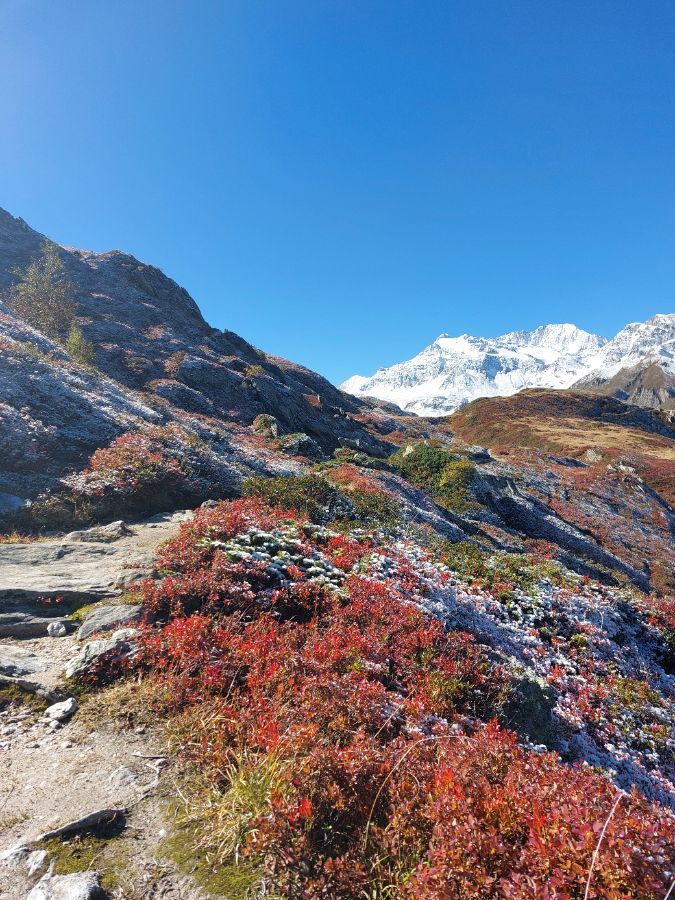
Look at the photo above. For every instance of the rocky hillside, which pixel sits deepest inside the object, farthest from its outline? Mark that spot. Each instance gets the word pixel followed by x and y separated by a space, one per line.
pixel 645 384
pixel 187 412
pixel 454 371
pixel 156 362
pixel 368 654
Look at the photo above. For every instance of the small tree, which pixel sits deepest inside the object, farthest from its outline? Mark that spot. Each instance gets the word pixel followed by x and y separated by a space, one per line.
pixel 43 294
pixel 79 347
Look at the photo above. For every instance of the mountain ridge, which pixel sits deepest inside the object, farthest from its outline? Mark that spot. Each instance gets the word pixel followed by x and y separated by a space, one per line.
pixel 453 371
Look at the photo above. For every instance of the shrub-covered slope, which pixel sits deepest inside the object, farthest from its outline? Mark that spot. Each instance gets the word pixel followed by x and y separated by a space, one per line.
pixel 402 664
pixel 341 698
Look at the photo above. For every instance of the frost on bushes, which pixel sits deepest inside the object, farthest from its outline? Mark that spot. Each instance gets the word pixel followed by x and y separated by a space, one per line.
pixel 23 442
pixel 141 472
pixel 346 739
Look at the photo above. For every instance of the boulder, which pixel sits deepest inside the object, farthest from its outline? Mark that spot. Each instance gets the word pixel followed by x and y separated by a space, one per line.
pixel 266 425
pixel 17 661
pixel 61 712
pixel 115 648
pixel 36 861
pixel 105 618
pixel 100 817
pixel 478 454
pixel 56 629
pixel 77 886
pixel 25 622
pixel 100 534
pixel 300 445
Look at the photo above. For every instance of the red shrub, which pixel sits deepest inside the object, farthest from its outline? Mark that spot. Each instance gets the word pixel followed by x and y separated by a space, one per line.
pixel 392 785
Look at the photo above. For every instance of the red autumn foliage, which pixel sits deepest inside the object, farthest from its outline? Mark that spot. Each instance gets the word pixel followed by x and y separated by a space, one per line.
pixel 393 786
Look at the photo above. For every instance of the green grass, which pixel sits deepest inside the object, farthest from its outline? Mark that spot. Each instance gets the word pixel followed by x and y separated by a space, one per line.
pixel 213 827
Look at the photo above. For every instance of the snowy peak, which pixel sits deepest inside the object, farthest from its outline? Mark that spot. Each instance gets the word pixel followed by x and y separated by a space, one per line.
pixel 565 338
pixel 638 343
pixel 452 371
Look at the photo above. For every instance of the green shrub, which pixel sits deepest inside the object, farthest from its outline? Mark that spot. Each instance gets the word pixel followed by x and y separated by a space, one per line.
pixel 43 294
pixel 345 455
pixel 266 425
pixel 376 507
pixel 464 558
pixel 79 347
pixel 308 494
pixel 371 504
pixel 445 476
pixel 454 483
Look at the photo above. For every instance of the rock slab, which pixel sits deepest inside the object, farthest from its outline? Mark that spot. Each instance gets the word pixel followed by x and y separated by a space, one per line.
pixel 17 661
pixel 105 618
pixel 78 886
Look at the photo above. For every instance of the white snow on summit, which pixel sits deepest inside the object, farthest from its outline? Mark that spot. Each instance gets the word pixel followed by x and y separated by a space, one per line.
pixel 652 341
pixel 455 370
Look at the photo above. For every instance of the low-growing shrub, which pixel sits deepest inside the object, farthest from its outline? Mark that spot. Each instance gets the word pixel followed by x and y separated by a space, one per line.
pixel 77 346
pixel 139 473
pixel 311 495
pixel 465 558
pixel 344 738
pixel 372 504
pixel 502 573
pixel 266 425
pixel 446 476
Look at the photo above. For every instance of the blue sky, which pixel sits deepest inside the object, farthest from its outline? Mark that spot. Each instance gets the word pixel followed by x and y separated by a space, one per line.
pixel 341 181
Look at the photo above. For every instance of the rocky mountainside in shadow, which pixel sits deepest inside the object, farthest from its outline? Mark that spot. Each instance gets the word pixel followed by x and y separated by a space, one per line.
pixel 645 384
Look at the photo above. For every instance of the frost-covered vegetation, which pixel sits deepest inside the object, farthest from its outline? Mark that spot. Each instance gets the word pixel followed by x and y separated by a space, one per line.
pixel 343 700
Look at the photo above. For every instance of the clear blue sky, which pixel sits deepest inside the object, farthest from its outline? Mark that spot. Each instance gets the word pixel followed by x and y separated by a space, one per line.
pixel 341 181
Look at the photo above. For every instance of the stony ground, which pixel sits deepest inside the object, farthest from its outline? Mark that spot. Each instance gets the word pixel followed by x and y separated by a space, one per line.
pixel 54 773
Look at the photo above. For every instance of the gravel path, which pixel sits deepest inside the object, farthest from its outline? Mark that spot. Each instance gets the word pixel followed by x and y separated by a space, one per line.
pixel 52 773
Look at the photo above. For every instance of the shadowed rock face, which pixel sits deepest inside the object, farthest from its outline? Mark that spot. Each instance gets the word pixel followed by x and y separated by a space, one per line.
pixel 646 385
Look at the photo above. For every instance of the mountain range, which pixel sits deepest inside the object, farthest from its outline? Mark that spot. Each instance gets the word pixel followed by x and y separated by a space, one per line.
pixel 637 365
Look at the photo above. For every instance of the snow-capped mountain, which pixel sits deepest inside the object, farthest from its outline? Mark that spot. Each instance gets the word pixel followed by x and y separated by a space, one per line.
pixel 455 370
pixel 639 343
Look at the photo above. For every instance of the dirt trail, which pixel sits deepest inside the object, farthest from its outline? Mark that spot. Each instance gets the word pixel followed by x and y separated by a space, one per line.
pixel 52 773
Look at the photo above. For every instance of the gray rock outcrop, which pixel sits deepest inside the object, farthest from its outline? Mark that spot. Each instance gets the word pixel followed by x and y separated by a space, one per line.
pixel 105 618
pixel 115 648
pixel 77 886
